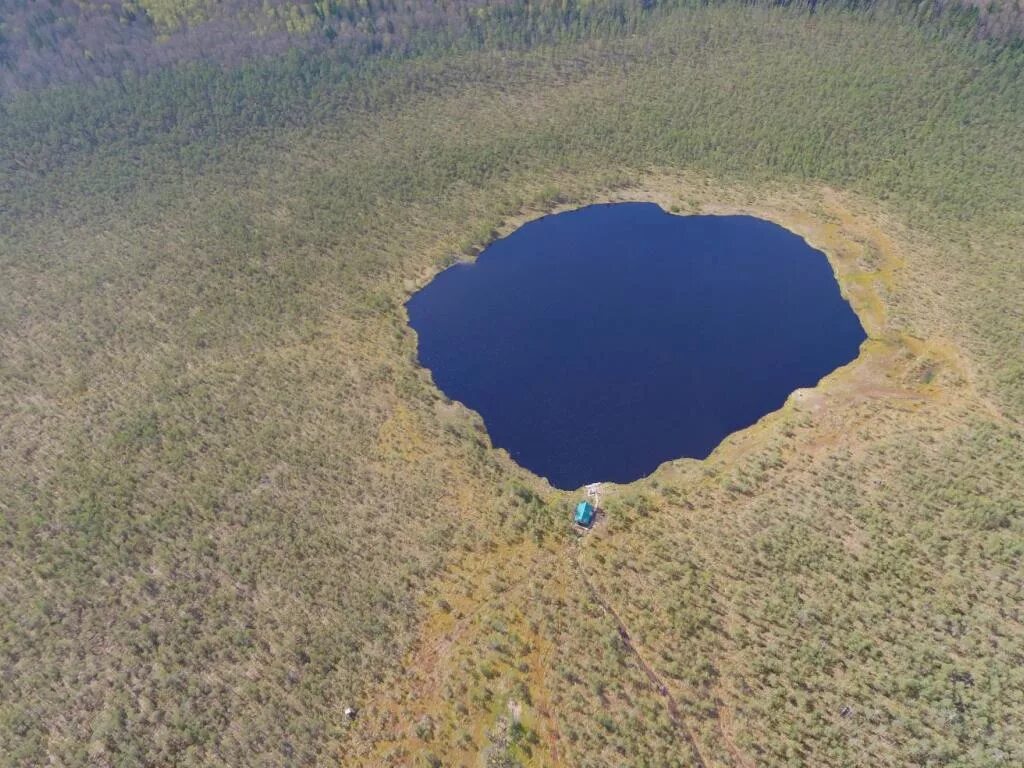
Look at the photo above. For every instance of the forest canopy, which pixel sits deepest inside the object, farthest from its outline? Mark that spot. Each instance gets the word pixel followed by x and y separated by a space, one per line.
pixel 50 42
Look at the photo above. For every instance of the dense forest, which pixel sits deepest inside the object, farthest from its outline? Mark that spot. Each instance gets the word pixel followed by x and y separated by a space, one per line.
pixel 233 506
pixel 50 42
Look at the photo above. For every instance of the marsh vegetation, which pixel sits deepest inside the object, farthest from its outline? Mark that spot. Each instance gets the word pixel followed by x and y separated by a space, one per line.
pixel 232 505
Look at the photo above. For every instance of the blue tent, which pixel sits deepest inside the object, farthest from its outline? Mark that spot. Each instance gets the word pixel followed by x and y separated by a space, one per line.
pixel 584 514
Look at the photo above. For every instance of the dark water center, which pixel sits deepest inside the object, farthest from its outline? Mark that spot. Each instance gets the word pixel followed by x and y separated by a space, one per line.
pixel 597 344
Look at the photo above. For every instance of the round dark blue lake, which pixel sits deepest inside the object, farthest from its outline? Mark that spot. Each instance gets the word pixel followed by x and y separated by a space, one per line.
pixel 597 344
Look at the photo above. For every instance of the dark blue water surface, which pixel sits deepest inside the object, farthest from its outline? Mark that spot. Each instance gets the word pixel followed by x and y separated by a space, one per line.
pixel 601 342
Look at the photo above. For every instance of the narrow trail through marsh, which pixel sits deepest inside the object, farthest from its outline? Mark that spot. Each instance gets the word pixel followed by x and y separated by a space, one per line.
pixel 659 685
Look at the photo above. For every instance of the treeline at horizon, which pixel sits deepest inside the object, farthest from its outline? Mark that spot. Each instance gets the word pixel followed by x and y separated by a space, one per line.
pixel 298 85
pixel 62 42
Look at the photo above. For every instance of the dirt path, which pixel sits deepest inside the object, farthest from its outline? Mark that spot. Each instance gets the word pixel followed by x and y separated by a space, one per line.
pixel 728 738
pixel 447 636
pixel 656 681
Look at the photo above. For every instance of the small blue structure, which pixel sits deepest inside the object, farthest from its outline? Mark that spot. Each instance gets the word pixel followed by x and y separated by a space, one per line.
pixel 584 514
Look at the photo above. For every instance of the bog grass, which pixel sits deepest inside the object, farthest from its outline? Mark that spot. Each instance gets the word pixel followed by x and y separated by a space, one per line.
pixel 233 504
